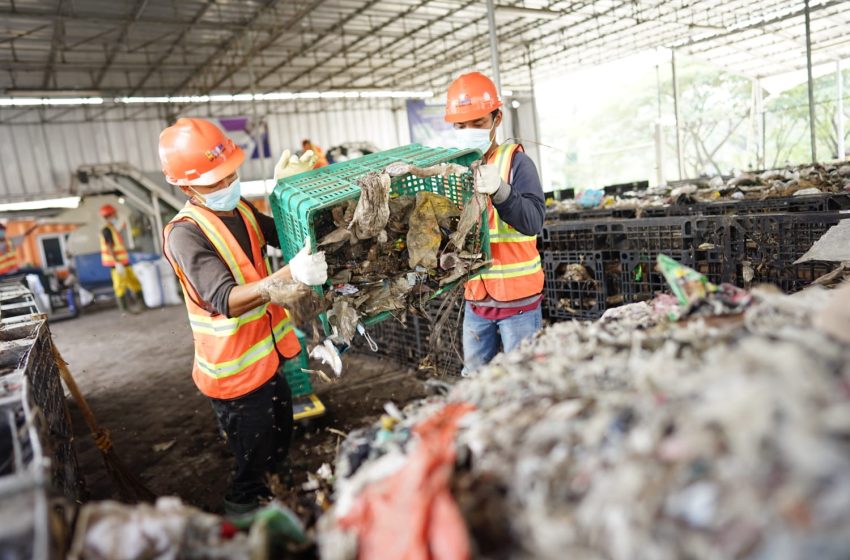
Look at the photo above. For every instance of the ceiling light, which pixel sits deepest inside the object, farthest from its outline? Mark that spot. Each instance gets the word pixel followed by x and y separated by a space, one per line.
pixel 66 202
pixel 535 13
pixel 43 101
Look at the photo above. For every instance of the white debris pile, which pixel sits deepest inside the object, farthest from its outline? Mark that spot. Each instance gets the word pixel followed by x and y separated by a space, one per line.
pixel 714 438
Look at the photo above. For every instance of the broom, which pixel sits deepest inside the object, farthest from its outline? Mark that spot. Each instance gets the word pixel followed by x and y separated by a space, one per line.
pixel 129 485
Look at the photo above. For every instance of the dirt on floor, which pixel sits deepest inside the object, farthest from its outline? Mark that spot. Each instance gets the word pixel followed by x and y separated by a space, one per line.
pixel 135 371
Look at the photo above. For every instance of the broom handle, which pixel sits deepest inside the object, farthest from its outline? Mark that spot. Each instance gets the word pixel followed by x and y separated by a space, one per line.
pixel 65 373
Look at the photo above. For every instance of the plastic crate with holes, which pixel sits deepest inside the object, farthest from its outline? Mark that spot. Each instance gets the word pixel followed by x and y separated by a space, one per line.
pixel 640 281
pixel 575 285
pixel 302 204
pixel 767 245
pixel 305 403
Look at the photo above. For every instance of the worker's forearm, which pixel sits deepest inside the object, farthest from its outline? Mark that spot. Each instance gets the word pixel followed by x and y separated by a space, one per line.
pixel 246 297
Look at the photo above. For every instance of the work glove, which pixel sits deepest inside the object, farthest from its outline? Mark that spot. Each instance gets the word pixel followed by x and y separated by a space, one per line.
pixel 289 165
pixel 120 268
pixel 309 269
pixel 488 180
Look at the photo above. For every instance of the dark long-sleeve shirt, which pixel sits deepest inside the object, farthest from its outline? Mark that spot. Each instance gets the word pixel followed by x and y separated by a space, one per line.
pixel 201 263
pixel 525 207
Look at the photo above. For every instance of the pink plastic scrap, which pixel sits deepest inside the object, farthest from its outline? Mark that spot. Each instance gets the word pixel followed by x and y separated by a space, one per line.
pixel 412 515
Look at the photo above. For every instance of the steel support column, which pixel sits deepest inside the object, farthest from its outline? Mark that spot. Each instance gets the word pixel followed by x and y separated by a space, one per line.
pixel 811 82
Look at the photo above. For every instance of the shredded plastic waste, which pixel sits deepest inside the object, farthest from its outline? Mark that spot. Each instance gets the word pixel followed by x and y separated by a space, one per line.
pixel 641 437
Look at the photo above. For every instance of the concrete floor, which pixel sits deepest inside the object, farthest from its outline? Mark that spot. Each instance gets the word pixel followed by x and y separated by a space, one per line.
pixel 135 371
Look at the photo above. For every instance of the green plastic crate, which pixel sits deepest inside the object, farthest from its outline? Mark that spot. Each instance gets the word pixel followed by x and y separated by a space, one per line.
pixel 298 201
pixel 298 379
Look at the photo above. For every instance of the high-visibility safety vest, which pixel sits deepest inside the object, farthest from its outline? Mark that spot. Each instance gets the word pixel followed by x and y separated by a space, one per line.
pixel 8 259
pixel 235 355
pixel 516 271
pixel 118 249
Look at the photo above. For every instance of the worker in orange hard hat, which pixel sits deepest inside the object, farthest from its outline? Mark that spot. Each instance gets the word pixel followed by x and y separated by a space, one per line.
pixel 503 301
pixel 114 256
pixel 8 254
pixel 321 159
pixel 216 245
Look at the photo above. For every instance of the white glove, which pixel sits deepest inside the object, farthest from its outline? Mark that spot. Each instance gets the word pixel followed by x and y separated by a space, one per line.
pixel 120 268
pixel 288 165
pixel 487 179
pixel 309 269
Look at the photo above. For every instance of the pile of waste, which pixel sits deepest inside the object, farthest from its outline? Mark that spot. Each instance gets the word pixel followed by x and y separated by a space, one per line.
pixel 775 183
pixel 392 253
pixel 717 431
pixel 170 529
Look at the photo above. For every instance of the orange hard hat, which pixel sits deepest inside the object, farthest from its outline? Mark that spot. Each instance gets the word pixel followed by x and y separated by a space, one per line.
pixel 471 97
pixel 197 152
pixel 107 210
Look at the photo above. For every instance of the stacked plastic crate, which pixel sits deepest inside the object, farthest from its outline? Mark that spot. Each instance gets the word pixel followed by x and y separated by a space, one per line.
pixel 37 457
pixel 598 260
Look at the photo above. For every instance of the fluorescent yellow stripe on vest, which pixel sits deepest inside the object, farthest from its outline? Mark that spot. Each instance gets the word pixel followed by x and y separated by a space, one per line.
pixel 224 326
pixel 282 329
pixel 215 239
pixel 232 367
pixel 503 237
pixel 249 217
pixel 510 270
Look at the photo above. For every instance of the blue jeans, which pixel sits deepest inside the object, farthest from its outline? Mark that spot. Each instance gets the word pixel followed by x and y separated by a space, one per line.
pixel 482 337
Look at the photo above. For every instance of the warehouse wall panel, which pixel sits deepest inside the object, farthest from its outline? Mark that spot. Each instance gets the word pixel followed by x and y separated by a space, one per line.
pixel 41 150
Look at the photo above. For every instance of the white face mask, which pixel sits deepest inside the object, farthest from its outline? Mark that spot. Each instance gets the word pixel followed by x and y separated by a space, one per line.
pixel 472 139
pixel 223 200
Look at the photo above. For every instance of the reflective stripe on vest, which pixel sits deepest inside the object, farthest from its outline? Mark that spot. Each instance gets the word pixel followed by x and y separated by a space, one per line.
pixel 8 259
pixel 516 271
pixel 233 355
pixel 118 249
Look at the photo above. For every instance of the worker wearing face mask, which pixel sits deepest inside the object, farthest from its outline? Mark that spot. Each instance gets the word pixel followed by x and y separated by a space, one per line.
pixel 216 245
pixel 503 301
pixel 114 256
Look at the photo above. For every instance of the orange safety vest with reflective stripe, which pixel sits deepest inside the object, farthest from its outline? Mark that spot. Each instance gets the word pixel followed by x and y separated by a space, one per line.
pixel 516 271
pixel 233 355
pixel 8 259
pixel 118 249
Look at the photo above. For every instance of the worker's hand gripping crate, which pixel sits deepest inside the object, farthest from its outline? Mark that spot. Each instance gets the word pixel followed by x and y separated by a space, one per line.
pixel 302 204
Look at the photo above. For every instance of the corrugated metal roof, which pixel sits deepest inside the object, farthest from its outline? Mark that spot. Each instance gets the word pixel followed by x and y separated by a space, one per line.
pixel 159 47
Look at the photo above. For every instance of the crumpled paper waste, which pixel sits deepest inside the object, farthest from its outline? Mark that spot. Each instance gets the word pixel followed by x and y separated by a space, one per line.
pixel 697 439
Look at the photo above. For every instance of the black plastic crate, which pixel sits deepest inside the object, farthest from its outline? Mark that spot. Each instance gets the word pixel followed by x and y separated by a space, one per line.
pixel 713 248
pixel 789 204
pixel 403 342
pixel 448 351
pixel 766 246
pixel 576 235
pixel 664 235
pixel 639 279
pixel 575 285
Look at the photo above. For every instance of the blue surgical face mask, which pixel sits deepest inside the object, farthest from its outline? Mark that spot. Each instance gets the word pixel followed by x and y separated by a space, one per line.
pixel 223 200
pixel 472 139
